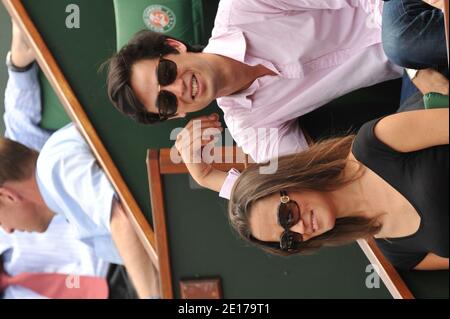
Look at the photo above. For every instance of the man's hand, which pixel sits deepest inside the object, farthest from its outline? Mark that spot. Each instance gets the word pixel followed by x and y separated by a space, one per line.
pixel 435 3
pixel 21 53
pixel 190 143
pixel 430 80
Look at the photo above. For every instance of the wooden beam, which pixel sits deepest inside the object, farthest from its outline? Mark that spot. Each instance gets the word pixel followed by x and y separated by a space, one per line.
pixel 76 112
pixel 230 157
pixel 159 223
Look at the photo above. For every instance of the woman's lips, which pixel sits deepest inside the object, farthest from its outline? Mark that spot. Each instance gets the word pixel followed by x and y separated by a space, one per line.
pixel 314 223
pixel 310 221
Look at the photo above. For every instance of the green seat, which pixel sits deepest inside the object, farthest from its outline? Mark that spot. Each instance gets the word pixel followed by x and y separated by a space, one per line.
pixel 182 19
pixel 53 114
pixel 435 101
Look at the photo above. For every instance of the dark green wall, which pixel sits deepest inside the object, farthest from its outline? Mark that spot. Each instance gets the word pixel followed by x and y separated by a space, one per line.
pixel 5 43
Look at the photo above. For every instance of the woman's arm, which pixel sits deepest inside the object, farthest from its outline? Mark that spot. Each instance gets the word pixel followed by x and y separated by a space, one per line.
pixel 414 130
pixel 432 262
pixel 190 143
pixel 140 268
pixel 439 4
pixel 429 80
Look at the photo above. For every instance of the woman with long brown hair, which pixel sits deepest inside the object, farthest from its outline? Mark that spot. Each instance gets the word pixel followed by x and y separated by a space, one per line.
pixel 389 181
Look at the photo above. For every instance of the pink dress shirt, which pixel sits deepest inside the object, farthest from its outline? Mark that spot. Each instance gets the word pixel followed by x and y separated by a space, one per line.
pixel 319 49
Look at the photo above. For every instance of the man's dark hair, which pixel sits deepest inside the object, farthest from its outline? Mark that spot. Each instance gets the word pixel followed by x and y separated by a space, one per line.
pixel 17 162
pixel 144 45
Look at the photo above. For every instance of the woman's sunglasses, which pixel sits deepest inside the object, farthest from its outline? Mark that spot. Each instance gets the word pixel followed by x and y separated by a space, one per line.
pixel 288 216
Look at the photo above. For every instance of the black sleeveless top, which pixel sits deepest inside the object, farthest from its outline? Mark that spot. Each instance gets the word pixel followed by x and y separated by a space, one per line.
pixel 422 178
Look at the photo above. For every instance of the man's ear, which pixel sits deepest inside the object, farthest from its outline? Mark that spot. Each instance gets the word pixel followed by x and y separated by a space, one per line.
pixel 180 47
pixel 9 195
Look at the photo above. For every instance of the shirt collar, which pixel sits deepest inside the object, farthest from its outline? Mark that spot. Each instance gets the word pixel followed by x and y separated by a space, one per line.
pixel 233 45
pixel 51 204
pixel 230 44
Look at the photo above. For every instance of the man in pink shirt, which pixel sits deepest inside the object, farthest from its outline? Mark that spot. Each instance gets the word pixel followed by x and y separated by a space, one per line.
pixel 267 63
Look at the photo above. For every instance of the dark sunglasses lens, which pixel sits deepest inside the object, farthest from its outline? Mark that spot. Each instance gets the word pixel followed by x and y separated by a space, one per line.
pixel 289 240
pixel 288 214
pixel 166 103
pixel 167 72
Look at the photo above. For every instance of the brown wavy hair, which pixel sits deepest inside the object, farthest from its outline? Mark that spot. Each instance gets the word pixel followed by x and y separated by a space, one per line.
pixel 319 168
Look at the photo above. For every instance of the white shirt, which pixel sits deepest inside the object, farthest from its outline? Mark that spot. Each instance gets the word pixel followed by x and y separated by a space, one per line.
pixel 72 184
pixel 57 250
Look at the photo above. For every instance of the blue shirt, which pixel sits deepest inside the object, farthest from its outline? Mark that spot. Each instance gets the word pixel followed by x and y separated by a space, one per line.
pixel 72 184
pixel 23 109
pixel 58 250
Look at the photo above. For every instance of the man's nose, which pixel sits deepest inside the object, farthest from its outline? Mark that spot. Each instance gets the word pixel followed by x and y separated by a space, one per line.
pixel 177 87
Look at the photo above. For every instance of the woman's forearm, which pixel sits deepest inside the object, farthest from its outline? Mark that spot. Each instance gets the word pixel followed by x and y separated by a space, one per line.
pixel 439 4
pixel 207 176
pixel 141 270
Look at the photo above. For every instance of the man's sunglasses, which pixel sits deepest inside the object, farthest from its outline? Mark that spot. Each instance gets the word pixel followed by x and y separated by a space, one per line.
pixel 166 102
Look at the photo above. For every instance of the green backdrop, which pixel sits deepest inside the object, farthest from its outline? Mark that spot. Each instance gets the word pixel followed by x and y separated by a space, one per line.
pixel 5 43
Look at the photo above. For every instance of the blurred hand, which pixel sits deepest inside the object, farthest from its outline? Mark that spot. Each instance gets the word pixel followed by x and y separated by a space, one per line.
pixel 190 142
